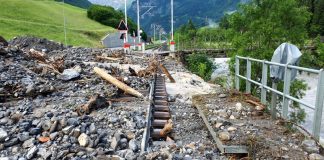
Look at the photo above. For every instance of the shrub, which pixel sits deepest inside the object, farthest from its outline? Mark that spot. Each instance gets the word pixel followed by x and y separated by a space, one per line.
pixel 200 64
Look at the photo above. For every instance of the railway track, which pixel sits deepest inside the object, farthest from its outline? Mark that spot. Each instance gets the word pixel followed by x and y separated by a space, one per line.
pixel 158 113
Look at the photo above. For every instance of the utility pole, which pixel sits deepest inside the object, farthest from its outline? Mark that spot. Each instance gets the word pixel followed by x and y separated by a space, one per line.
pixel 126 45
pixel 64 24
pixel 172 43
pixel 153 32
pixel 140 45
pixel 126 20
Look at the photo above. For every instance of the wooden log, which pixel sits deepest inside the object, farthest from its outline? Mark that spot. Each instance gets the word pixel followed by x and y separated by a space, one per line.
pixel 109 58
pixel 167 128
pixel 116 82
pixel 166 72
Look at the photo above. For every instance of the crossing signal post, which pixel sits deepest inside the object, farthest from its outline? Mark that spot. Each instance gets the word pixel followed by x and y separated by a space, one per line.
pixel 172 42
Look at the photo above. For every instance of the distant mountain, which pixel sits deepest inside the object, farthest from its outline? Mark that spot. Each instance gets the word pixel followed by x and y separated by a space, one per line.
pixel 118 4
pixel 202 13
pixel 79 3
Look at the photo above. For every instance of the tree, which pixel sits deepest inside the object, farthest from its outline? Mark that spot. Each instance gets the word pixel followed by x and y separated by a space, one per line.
pixel 259 27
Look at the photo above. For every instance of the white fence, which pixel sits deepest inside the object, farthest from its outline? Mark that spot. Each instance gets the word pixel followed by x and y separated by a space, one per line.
pixel 318 108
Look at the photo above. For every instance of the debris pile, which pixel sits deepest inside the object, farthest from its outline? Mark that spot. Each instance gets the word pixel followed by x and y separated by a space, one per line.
pixel 54 106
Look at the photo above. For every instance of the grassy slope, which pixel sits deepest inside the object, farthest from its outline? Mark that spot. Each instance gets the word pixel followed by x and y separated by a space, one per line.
pixel 44 18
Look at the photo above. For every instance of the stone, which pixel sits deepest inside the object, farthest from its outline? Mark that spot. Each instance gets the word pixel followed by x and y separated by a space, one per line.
pixel 69 74
pixel 130 135
pixel 230 129
pixel 315 156
pixel 4 120
pixel 31 152
pixel 222 96
pixel 3 135
pixel 53 135
pixel 259 108
pixel 238 106
pixel 232 117
pixel 83 140
pixel 43 139
pixel 46 125
pixel 67 130
pixel 218 125
pixel 11 142
pixel 76 132
pixel 92 128
pixel 53 127
pixel 310 146
pixel 29 143
pixel 132 145
pixel 123 143
pixel 23 136
pixel 4 158
pixel 114 143
pixel 35 131
pixel 72 122
pixel 44 153
pixel 224 136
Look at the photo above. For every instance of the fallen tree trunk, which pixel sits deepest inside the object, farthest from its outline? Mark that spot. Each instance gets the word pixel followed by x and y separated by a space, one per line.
pixel 166 72
pixel 117 83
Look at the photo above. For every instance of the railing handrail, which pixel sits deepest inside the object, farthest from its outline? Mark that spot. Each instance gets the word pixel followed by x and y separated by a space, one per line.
pixel 318 107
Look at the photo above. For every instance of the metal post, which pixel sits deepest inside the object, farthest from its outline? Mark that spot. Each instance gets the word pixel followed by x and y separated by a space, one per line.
pixel 264 82
pixel 274 101
pixel 287 82
pixel 171 20
pixel 248 76
pixel 237 72
pixel 64 24
pixel 319 106
pixel 138 23
pixel 126 19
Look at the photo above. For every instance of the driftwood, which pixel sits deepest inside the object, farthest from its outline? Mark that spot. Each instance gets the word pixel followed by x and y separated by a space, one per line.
pixel 117 83
pixel 109 58
pixel 167 128
pixel 255 103
pixel 166 72
pixel 94 103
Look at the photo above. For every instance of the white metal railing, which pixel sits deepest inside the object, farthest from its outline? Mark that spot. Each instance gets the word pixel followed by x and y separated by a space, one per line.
pixel 318 108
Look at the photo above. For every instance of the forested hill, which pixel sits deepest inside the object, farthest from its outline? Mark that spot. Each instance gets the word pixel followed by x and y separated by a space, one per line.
pixel 201 12
pixel 78 3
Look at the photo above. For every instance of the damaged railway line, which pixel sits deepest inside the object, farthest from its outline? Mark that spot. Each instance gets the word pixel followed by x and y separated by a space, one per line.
pixel 61 102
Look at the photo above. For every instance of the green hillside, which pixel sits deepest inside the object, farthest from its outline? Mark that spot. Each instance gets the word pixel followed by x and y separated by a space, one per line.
pixel 44 18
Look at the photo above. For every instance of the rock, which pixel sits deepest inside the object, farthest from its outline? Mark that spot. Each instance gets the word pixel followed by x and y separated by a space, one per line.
pixel 3 135
pixel 114 143
pixel 259 108
pixel 132 145
pixel 130 155
pixel 130 135
pixel 53 135
pixel 218 125
pixel 69 74
pixel 224 136
pixel 232 117
pixel 76 132
pixel 67 130
pixel 238 106
pixel 310 146
pixel 11 142
pixel 123 143
pixel 231 129
pixel 31 152
pixel 53 127
pixel 23 136
pixel 44 153
pixel 4 158
pixel 43 139
pixel 72 122
pixel 29 143
pixel 92 128
pixel 46 125
pixel 222 96
pixel 284 149
pixel 83 140
pixel 315 156
pixel 35 131
pixel 4 121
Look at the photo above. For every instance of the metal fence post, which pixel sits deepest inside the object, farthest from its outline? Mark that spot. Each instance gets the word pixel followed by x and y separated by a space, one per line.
pixel 237 72
pixel 319 105
pixel 264 82
pixel 248 75
pixel 286 92
pixel 274 101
